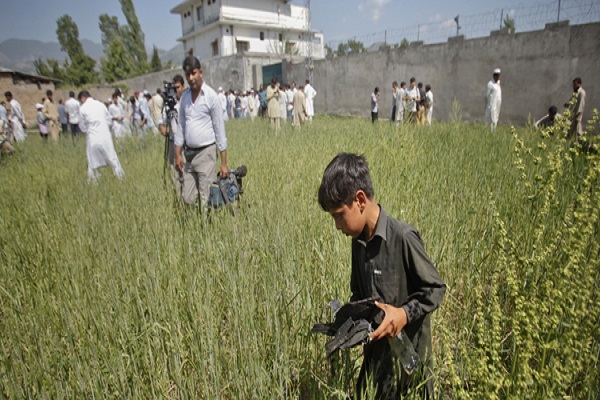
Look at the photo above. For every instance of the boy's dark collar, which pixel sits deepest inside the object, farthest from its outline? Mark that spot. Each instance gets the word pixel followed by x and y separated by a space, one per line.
pixel 380 228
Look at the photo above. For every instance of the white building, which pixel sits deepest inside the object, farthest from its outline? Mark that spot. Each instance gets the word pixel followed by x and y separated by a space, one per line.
pixel 273 28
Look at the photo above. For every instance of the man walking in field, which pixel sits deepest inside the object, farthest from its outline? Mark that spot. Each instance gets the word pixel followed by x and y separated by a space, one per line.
pixel 413 97
pixel 493 100
pixel 428 104
pixel 577 107
pixel 395 101
pixel 17 118
pixel 299 108
pixel 202 134
pixel 310 93
pixel 95 122
pixel 52 117
pixel 273 104
pixel 157 107
pixel 72 108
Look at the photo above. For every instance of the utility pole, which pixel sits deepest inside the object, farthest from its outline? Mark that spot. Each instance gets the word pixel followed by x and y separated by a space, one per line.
pixel 309 58
pixel 558 18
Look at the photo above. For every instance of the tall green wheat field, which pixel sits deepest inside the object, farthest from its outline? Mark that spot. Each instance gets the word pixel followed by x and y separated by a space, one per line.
pixel 114 290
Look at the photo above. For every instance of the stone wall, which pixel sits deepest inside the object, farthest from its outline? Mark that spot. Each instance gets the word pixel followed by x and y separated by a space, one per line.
pixel 29 94
pixel 537 71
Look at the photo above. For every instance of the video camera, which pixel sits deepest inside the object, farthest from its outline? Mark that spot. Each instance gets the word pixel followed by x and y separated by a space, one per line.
pixel 169 95
pixel 226 191
pixel 239 173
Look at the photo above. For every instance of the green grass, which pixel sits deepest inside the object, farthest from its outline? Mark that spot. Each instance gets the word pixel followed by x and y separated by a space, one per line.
pixel 111 290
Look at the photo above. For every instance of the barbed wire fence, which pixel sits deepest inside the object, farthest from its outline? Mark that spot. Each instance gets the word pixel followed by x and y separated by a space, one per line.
pixel 526 18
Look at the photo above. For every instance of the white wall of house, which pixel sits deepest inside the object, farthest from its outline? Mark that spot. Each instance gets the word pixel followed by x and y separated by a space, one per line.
pixel 269 27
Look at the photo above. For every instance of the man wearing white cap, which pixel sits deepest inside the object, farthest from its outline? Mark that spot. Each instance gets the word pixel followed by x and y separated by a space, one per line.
pixel 494 100
pixel 41 120
pixel 223 100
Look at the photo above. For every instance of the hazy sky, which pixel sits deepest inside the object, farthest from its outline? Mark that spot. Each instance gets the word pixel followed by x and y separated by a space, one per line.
pixel 337 19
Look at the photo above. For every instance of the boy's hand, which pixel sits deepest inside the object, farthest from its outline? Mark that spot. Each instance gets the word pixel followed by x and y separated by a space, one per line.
pixel 394 320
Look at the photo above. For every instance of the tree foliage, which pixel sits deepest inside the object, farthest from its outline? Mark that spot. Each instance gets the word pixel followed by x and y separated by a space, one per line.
pixel 124 50
pixel 109 26
pixel 155 64
pixel 81 70
pixel 351 46
pixel 117 63
pixel 134 36
pixel 509 22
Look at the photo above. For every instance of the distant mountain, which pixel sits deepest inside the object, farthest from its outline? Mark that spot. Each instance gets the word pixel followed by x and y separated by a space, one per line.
pixel 19 54
pixel 175 55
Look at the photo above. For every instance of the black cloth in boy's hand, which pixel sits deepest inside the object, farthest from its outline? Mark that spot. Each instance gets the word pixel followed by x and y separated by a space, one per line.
pixel 353 323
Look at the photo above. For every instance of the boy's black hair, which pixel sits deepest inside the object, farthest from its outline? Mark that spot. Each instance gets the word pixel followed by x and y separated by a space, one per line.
pixel 346 174
pixel 190 63
pixel 179 78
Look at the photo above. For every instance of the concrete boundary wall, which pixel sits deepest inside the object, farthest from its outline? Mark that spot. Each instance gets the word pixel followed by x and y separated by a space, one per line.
pixel 234 72
pixel 537 71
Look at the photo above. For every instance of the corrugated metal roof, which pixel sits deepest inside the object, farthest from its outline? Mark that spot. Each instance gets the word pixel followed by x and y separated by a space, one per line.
pixel 26 75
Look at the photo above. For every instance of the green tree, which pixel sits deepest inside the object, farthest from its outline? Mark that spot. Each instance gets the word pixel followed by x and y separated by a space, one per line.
pixel 342 50
pixel 81 69
pixel 134 36
pixel 404 43
pixel 509 22
pixel 41 68
pixel 117 62
pixel 109 26
pixel 50 68
pixel 155 64
pixel 355 46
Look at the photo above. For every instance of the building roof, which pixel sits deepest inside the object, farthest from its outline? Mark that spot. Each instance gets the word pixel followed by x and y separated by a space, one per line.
pixel 24 75
pixel 185 5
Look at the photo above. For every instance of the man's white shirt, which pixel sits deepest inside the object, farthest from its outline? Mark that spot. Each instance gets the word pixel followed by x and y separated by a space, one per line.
pixel 201 121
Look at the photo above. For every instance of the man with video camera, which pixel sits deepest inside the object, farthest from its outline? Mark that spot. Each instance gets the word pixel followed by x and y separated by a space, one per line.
pixel 202 133
pixel 169 125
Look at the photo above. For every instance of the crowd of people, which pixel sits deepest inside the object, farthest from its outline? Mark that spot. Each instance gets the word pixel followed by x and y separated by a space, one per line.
pixel 413 104
pixel 279 102
pixel 144 113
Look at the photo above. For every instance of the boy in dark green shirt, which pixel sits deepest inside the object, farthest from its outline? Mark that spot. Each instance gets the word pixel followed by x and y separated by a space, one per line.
pixel 388 262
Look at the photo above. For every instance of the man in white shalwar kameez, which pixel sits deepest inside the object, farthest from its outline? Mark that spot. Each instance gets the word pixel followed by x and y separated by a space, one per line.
pixel 223 100
pixel 309 93
pixel 126 111
pixel 117 116
pixel 494 100
pixel 17 118
pixel 95 121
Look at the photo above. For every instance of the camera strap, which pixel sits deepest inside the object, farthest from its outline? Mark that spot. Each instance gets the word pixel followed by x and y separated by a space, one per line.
pixel 226 198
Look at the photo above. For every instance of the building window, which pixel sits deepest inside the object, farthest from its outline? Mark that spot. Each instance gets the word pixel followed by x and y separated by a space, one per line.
pixel 281 37
pixel 215 47
pixel 291 48
pixel 262 36
pixel 242 46
pixel 200 13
